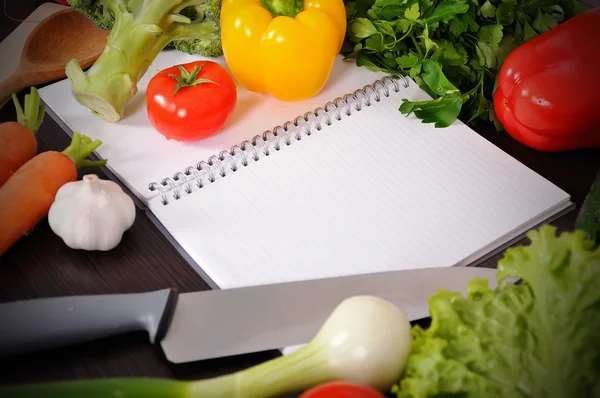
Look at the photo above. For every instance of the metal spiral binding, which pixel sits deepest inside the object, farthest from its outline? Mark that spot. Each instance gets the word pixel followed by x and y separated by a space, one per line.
pixel 230 160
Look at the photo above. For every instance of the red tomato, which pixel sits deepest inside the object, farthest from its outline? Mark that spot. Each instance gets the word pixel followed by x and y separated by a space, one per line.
pixel 342 389
pixel 200 107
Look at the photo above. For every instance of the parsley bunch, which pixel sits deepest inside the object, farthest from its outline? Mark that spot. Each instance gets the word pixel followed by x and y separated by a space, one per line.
pixel 452 48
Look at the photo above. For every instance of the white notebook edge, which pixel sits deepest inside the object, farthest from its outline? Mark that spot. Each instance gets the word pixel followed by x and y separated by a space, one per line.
pixel 476 259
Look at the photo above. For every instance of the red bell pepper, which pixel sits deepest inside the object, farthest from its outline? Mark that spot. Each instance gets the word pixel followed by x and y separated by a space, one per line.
pixel 548 94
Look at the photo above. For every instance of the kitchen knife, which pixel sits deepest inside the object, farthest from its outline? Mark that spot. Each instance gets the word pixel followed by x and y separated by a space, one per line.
pixel 218 323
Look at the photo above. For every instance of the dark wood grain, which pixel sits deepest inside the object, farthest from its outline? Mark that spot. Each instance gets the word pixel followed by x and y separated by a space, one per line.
pixel 40 265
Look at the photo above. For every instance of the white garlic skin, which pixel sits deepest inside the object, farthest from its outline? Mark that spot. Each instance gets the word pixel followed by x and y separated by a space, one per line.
pixel 91 214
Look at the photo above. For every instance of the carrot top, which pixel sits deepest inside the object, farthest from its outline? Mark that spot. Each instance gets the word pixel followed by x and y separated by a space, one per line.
pixel 81 147
pixel 33 115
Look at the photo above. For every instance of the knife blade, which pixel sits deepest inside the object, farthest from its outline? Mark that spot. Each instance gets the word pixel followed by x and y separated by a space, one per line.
pixel 218 323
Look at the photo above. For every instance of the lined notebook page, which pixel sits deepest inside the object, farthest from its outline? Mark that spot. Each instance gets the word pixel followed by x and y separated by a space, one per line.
pixel 373 192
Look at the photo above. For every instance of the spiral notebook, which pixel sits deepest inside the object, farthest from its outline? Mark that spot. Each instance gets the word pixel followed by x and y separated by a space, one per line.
pixel 340 184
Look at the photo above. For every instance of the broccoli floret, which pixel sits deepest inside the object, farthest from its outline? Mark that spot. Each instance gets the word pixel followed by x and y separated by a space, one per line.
pixel 210 12
pixel 96 11
pixel 140 30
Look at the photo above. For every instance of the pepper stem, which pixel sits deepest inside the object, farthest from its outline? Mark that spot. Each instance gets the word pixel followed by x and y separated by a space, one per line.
pixel 188 79
pixel 283 8
pixel 80 148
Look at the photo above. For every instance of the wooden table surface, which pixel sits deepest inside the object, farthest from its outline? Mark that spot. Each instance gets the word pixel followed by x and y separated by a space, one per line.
pixel 40 265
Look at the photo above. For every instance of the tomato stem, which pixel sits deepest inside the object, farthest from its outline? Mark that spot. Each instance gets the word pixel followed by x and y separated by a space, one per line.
pixel 188 79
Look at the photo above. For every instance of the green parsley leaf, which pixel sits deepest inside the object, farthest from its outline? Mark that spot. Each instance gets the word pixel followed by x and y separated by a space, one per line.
pixel 442 111
pixel 469 18
pixel 427 41
pixel 458 27
pixel 528 32
pixel 493 57
pixel 491 34
pixel 544 22
pixel 407 61
pixel 482 110
pixel 426 5
pixel 362 28
pixel 415 70
pixel 485 52
pixel 518 34
pixel 505 14
pixel 387 10
pixel 412 13
pixel 449 54
pixel 433 76
pixel 384 27
pixel 488 10
pixel 445 11
pixel 374 43
pixel 402 25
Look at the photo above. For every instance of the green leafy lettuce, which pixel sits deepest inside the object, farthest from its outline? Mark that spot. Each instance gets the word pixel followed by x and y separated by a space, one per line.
pixel 458 45
pixel 536 339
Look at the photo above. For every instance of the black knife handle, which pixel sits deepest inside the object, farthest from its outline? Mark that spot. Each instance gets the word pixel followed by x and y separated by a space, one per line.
pixel 40 324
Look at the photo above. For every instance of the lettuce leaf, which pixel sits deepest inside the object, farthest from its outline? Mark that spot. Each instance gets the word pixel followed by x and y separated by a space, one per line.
pixel 539 338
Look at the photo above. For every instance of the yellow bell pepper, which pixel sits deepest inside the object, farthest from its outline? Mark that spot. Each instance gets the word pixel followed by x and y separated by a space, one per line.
pixel 286 48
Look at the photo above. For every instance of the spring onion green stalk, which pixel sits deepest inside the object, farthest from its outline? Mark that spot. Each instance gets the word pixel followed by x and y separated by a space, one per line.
pixel 365 339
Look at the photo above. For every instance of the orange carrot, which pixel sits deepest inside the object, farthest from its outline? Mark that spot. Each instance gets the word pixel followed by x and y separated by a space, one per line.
pixel 17 139
pixel 27 195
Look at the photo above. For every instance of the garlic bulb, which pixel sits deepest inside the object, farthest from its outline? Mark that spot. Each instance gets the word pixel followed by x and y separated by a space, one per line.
pixel 91 214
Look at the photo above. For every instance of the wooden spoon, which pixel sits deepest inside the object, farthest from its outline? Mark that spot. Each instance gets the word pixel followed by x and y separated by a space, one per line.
pixel 58 39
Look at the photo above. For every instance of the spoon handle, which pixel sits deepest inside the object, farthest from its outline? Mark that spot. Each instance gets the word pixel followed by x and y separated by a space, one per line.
pixel 13 84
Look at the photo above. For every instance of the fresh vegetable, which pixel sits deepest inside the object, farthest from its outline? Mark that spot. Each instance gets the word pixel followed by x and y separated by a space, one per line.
pixel 286 48
pixel 191 101
pixel 365 340
pixel 546 98
pixel 452 48
pixel 27 195
pixel 539 338
pixel 17 139
pixel 140 30
pixel 208 11
pixel 588 218
pixel 91 214
pixel 208 44
pixel 340 389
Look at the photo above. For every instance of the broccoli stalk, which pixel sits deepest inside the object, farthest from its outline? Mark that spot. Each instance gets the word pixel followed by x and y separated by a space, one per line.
pixel 140 31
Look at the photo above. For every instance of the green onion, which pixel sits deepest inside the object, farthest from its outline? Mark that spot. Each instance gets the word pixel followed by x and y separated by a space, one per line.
pixel 365 340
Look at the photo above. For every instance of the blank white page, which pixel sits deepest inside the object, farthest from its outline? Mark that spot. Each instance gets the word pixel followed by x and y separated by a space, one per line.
pixel 373 192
